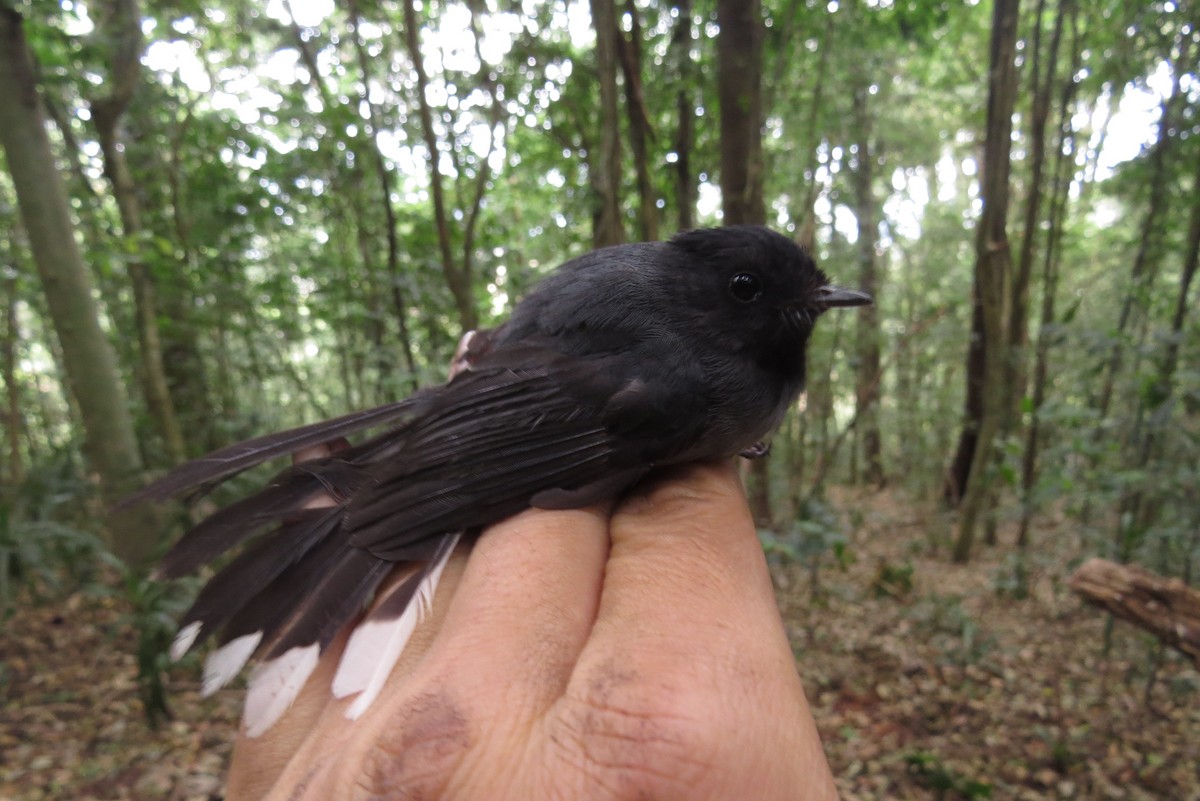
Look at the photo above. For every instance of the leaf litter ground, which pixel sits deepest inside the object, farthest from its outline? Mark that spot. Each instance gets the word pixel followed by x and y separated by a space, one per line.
pixel 926 683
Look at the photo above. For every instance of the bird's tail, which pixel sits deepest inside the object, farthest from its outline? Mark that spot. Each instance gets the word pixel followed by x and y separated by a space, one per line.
pixel 299 581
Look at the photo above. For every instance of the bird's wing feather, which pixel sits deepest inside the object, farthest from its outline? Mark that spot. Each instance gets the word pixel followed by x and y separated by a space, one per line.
pixel 227 462
pixel 506 433
pixel 287 495
pixel 254 569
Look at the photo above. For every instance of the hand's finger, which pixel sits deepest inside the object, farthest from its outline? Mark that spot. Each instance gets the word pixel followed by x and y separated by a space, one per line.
pixel 688 640
pixel 503 653
pixel 524 607
pixel 687 572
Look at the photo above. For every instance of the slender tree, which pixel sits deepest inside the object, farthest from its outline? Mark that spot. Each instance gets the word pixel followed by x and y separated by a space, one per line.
pixel 993 263
pixel 604 166
pixel 1150 244
pixel 739 92
pixel 472 206
pixel 183 360
pixel 120 29
pixel 686 191
pixel 9 336
pixel 457 278
pixel 1136 508
pixel 1043 79
pixel 88 358
pixel 639 124
pixel 869 337
pixel 1059 194
pixel 384 176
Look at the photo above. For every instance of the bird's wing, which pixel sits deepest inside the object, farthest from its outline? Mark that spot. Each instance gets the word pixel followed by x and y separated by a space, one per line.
pixel 525 427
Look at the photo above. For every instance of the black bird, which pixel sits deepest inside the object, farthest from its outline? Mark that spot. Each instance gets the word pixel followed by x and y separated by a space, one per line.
pixel 624 359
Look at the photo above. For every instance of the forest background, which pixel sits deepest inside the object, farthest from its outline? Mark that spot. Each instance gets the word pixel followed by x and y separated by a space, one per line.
pixel 219 220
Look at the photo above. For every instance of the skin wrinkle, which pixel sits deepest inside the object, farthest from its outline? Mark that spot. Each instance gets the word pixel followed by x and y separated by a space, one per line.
pixel 621 730
pixel 664 501
pixel 302 786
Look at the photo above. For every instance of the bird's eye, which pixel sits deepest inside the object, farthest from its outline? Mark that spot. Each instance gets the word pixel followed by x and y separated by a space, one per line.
pixel 745 287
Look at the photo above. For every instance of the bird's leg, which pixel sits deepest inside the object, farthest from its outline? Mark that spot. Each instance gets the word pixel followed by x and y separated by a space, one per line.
pixel 756 451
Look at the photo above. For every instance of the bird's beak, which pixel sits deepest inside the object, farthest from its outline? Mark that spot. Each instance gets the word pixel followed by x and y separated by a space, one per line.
pixel 829 296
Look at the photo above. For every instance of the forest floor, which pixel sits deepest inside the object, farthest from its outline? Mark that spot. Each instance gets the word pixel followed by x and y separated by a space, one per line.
pixel 945 689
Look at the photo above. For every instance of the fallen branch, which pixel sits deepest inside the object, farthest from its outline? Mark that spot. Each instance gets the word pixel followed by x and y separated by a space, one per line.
pixel 1166 607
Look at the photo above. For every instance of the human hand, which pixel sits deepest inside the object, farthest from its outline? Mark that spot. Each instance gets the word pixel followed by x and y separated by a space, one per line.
pixel 598 653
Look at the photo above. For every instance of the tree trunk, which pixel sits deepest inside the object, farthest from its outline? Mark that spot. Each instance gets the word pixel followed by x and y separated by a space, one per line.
pixel 365 230
pixel 686 190
pixel 9 336
pixel 309 58
pixel 869 336
pixel 88 357
pixel 1043 69
pixel 604 166
pixel 1191 257
pixel 811 143
pixel 1043 79
pixel 483 172
pixel 183 362
pixel 739 92
pixel 394 277
pixel 959 470
pixel 993 263
pixel 639 124
pixel 1145 261
pixel 458 280
pixel 1140 506
pixel 1059 195
pixel 121 27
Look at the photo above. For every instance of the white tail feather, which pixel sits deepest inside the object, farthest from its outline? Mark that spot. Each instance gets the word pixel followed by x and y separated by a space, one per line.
pixel 184 639
pixel 227 661
pixel 274 685
pixel 376 645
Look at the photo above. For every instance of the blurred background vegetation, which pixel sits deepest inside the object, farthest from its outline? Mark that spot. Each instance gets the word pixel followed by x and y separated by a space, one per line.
pixel 222 219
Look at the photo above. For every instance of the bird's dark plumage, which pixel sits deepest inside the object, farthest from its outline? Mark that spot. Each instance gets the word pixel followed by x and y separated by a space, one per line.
pixel 624 359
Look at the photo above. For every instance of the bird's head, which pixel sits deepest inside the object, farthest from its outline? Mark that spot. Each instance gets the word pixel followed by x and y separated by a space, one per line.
pixel 761 291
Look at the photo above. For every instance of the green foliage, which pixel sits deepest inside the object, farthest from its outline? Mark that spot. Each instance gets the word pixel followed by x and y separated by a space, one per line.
pixel 1011 579
pixel 961 639
pixel 44 557
pixel 154 608
pixel 47 553
pixel 895 581
pixel 44 553
pixel 944 781
pixel 816 533
pixel 811 540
